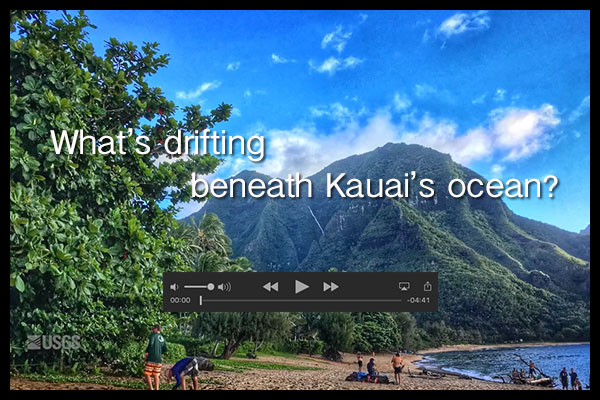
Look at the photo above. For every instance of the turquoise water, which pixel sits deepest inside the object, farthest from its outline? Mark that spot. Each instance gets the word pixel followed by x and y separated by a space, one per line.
pixel 485 364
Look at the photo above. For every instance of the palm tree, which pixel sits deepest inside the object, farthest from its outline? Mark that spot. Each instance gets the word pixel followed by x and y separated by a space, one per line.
pixel 211 235
pixel 208 247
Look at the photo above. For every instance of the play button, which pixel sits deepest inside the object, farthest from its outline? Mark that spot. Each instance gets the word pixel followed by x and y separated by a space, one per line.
pixel 300 287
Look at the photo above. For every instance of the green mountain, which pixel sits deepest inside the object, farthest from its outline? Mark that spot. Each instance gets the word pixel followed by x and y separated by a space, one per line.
pixel 502 276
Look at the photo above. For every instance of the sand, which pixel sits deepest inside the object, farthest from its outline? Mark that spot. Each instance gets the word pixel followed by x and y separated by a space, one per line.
pixel 330 377
pixel 474 347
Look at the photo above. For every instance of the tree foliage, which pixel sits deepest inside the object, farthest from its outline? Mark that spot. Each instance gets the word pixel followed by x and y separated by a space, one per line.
pixel 233 328
pixel 88 239
pixel 337 331
pixel 209 248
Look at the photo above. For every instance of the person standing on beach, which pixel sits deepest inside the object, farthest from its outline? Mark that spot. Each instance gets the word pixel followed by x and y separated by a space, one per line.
pixel 564 378
pixel 574 379
pixel 359 360
pixel 397 364
pixel 531 369
pixel 157 346
pixel 372 368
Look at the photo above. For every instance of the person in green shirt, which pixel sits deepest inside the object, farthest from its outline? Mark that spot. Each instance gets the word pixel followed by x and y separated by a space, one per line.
pixel 157 346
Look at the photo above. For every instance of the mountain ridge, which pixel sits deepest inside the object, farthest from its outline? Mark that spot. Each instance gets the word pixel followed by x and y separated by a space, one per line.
pixel 510 258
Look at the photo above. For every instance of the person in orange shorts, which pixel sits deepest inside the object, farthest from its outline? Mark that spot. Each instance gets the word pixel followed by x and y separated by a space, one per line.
pixel 157 346
pixel 397 364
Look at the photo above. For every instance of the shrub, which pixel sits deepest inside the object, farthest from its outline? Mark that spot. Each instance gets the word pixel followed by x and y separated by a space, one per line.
pixel 175 352
pixel 302 346
pixel 193 346
pixel 129 359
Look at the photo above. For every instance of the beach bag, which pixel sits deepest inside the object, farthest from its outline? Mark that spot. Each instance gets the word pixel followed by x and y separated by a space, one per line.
pixel 379 379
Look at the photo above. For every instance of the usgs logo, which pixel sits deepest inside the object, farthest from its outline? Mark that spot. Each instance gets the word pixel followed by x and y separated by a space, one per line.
pixel 53 342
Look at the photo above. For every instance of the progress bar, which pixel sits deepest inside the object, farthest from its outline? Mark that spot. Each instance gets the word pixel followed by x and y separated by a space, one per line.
pixel 301 300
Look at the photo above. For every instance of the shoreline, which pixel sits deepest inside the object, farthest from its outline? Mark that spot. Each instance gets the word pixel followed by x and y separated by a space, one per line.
pixel 475 347
pixel 317 373
pixel 419 356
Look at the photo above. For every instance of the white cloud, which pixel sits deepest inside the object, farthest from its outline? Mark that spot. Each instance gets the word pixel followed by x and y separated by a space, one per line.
pixel 509 134
pixel 480 99
pixel 250 93
pixel 499 95
pixel 351 62
pixel 280 60
pixel 234 66
pixel 199 91
pixel 442 136
pixel 424 90
pixel 341 115
pixel 307 151
pixel 497 170
pixel 401 102
pixel 363 17
pixel 332 64
pixel 581 110
pixel 523 132
pixel 164 158
pixel 235 112
pixel 512 132
pixel 426 36
pixel 420 22
pixel 462 22
pixel 336 39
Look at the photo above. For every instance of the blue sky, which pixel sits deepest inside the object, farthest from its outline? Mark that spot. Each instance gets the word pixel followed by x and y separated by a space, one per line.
pixel 506 93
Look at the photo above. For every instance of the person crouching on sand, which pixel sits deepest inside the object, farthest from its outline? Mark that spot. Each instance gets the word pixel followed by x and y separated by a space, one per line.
pixel 397 364
pixel 189 366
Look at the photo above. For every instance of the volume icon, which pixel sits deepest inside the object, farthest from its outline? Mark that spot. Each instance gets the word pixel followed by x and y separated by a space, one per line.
pixel 224 287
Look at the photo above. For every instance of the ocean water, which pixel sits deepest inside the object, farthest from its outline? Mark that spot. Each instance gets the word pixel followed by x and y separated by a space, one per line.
pixel 486 364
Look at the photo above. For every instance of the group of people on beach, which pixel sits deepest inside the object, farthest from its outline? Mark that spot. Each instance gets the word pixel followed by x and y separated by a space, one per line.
pixel 564 379
pixel 516 375
pixel 373 371
pixel 564 376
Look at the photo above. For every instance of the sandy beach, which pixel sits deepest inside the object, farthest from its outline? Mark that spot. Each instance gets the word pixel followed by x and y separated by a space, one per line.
pixel 329 376
pixel 474 347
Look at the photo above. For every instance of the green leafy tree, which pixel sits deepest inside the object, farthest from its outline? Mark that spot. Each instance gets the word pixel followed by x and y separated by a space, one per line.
pixel 88 239
pixel 208 246
pixel 407 325
pixel 376 331
pixel 337 332
pixel 233 328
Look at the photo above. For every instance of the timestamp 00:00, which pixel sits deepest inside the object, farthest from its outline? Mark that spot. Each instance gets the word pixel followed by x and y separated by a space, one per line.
pixel 182 300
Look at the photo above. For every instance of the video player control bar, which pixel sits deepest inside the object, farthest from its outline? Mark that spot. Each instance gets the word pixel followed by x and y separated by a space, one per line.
pixel 300 291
